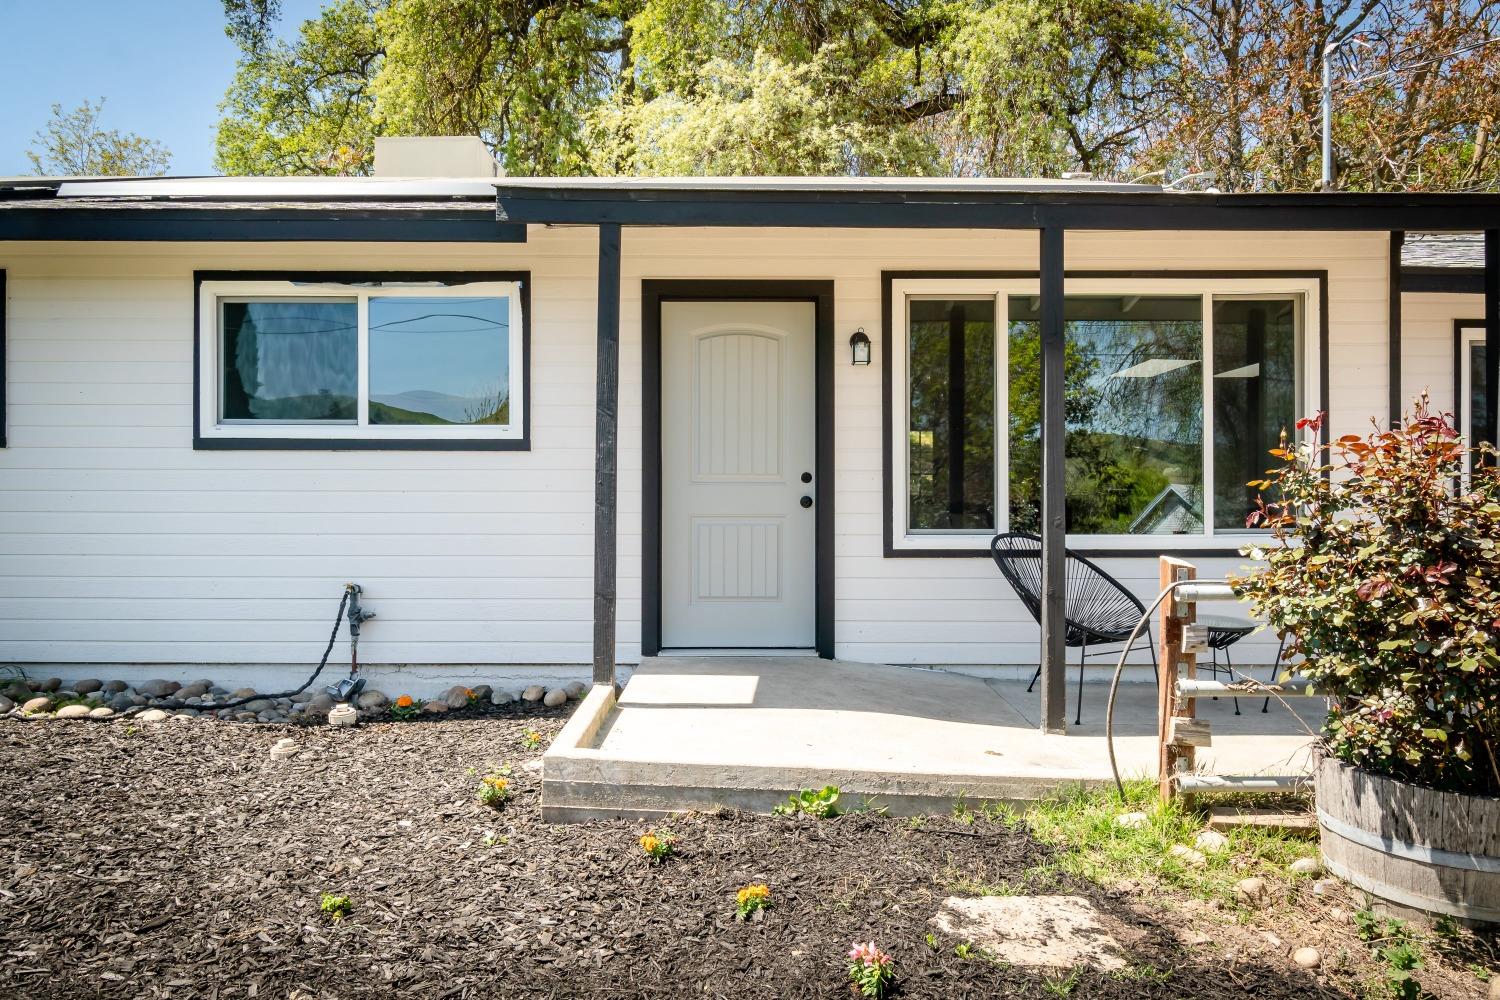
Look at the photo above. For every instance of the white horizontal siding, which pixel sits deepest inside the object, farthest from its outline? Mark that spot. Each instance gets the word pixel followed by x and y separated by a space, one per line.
pixel 120 544
pixel 1427 343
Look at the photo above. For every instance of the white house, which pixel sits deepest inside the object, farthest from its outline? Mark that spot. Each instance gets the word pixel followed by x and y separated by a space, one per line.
pixel 226 397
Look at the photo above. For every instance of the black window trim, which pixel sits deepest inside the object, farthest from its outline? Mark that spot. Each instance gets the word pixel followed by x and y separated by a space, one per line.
pixel 4 368
pixel 887 280
pixel 522 280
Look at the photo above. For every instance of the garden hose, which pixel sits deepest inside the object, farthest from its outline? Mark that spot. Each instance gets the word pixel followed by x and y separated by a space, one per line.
pixel 349 588
pixel 1114 684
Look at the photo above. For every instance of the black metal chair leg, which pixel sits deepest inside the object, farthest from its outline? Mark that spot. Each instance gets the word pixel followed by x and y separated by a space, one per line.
pixel 1155 673
pixel 1229 664
pixel 1082 652
pixel 1213 668
pixel 1275 671
pixel 1033 679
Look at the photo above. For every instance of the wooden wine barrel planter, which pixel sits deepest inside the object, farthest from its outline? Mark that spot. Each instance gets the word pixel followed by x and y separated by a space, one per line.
pixel 1437 852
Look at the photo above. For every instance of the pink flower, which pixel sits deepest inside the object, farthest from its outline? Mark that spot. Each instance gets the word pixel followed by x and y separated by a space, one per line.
pixel 868 954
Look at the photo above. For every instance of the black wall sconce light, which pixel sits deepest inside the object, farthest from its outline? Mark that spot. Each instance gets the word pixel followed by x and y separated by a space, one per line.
pixel 859 344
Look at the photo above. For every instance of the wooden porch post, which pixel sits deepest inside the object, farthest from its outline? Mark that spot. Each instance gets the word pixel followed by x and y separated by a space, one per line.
pixel 1492 334
pixel 1053 528
pixel 606 440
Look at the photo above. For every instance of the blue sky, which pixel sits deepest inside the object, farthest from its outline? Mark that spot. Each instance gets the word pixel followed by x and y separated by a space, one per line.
pixel 162 65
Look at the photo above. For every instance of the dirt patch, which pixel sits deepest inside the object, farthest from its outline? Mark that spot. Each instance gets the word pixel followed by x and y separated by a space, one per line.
pixel 182 860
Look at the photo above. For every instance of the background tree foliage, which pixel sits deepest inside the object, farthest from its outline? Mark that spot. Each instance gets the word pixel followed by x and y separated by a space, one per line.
pixel 75 144
pixel 962 87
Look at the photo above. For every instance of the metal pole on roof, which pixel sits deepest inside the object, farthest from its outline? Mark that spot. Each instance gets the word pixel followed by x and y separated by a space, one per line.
pixel 1328 53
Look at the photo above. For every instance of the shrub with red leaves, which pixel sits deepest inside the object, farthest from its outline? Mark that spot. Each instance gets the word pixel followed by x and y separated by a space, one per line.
pixel 1384 572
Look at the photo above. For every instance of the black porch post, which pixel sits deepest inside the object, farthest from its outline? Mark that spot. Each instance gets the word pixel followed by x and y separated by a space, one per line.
pixel 606 435
pixel 1393 355
pixel 1054 539
pixel 1492 334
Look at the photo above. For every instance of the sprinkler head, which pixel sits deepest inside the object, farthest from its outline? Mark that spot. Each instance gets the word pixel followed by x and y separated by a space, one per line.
pixel 343 714
pixel 347 689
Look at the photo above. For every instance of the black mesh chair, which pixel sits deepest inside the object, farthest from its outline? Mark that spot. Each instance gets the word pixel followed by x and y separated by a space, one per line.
pixel 1098 610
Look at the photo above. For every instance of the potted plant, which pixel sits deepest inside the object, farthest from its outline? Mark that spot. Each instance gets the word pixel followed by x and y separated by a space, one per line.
pixel 1383 570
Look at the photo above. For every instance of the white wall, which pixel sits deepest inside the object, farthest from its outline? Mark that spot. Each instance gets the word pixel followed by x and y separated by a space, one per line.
pixel 121 544
pixel 1427 343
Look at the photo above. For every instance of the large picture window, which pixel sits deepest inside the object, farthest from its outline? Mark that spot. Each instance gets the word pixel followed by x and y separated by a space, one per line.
pixel 1175 392
pixel 348 362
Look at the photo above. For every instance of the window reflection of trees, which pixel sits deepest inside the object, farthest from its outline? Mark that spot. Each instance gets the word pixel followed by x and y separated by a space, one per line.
pixel 951 439
pixel 1134 408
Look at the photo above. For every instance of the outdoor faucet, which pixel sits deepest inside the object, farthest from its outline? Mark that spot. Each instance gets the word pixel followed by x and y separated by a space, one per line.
pixel 357 614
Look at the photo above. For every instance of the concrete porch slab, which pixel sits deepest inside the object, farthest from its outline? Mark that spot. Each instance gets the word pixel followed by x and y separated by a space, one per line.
pixel 700 732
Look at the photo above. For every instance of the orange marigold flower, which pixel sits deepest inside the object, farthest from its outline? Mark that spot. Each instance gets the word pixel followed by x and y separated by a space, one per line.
pixel 404 701
pixel 750 892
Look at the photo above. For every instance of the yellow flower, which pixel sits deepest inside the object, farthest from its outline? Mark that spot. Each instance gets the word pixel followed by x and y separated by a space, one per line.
pixel 753 892
pixel 650 844
pixel 499 784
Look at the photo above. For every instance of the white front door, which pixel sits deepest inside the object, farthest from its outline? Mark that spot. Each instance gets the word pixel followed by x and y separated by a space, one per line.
pixel 738 437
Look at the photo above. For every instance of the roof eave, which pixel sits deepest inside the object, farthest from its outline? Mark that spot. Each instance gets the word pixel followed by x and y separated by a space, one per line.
pixel 951 208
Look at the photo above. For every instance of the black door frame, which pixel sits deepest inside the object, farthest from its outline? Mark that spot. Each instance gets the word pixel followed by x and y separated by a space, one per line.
pixel 653 294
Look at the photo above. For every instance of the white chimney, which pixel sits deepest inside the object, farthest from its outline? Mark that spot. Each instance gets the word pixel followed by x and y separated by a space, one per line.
pixel 433 156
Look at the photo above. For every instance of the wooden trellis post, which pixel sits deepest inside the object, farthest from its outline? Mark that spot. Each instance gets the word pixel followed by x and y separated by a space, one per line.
pixel 1175 716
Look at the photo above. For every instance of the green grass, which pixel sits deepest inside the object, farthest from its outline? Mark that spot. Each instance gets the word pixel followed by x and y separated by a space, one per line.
pixel 1090 844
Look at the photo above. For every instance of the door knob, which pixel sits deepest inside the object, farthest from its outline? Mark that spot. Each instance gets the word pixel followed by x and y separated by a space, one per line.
pixel 807 477
pixel 807 501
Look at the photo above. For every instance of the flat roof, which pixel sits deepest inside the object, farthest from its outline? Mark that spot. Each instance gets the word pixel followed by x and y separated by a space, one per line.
pixel 972 203
pixel 839 184
pixel 253 209
pixel 1446 250
pixel 283 188
pixel 30 206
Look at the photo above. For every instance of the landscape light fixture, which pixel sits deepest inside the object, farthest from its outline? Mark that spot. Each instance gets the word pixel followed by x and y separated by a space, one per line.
pixel 859 344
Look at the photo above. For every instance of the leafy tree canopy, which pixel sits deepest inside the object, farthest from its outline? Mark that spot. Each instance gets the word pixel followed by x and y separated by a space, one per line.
pixel 965 87
pixel 75 144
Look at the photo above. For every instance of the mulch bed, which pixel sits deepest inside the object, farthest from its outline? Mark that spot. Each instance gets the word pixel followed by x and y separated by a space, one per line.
pixel 180 860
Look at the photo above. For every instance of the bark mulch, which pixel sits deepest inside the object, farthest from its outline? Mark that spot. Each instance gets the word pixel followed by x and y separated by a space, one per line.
pixel 180 860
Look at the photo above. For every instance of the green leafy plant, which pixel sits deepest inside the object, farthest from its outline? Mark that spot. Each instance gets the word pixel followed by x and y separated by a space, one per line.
pixel 1384 571
pixel 659 845
pixel 494 788
pixel 820 804
pixel 533 739
pixel 335 908
pixel 1402 959
pixel 871 971
pixel 751 900
pixel 405 707
pixel 1397 950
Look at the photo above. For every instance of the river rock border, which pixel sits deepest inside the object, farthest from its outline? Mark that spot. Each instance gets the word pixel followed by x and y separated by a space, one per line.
pixel 158 700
